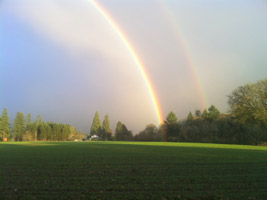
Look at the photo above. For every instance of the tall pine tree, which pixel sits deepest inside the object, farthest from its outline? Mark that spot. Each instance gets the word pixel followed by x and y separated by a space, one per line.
pixel 29 119
pixel 5 125
pixel 19 126
pixel 38 119
pixel 171 125
pixel 190 117
pixel 96 125
pixel 214 113
pixel 106 128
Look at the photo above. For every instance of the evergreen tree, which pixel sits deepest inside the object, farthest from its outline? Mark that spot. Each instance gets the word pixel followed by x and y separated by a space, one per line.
pixel 211 114
pixel 106 128
pixel 171 125
pixel 43 131
pixel 171 118
pixel 190 117
pixel 5 125
pixel 34 128
pixel 214 113
pixel 19 126
pixel 96 125
pixel 198 113
pixel 29 119
pixel 28 136
pixel 38 119
pixel 118 131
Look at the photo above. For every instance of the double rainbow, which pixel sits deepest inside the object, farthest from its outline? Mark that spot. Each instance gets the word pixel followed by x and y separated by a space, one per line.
pixel 135 57
pixel 176 29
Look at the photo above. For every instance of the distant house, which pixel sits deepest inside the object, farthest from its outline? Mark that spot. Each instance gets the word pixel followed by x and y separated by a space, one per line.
pixel 94 137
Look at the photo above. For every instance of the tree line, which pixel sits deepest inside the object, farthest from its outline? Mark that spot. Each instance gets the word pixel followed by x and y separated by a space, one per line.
pixel 245 123
pixel 39 130
pixel 103 132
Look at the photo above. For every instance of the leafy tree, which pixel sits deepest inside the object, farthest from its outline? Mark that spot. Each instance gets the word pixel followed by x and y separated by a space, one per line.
pixel 19 126
pixel 122 133
pixel 74 134
pixel 248 103
pixel 106 128
pixel 96 125
pixel 171 125
pixel 5 125
pixel 65 132
pixel 151 133
pixel 205 114
pixel 54 132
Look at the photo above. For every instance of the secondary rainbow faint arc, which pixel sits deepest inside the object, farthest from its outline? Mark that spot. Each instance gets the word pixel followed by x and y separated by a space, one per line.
pixel 188 55
pixel 134 55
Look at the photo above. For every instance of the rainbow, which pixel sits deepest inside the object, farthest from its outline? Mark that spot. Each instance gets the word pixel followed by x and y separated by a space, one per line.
pixel 135 57
pixel 168 13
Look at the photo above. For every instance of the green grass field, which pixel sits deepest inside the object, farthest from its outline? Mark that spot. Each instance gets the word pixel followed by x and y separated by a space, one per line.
pixel 131 170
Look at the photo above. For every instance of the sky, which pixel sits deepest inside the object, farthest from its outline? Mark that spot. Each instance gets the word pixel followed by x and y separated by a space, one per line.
pixel 62 59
